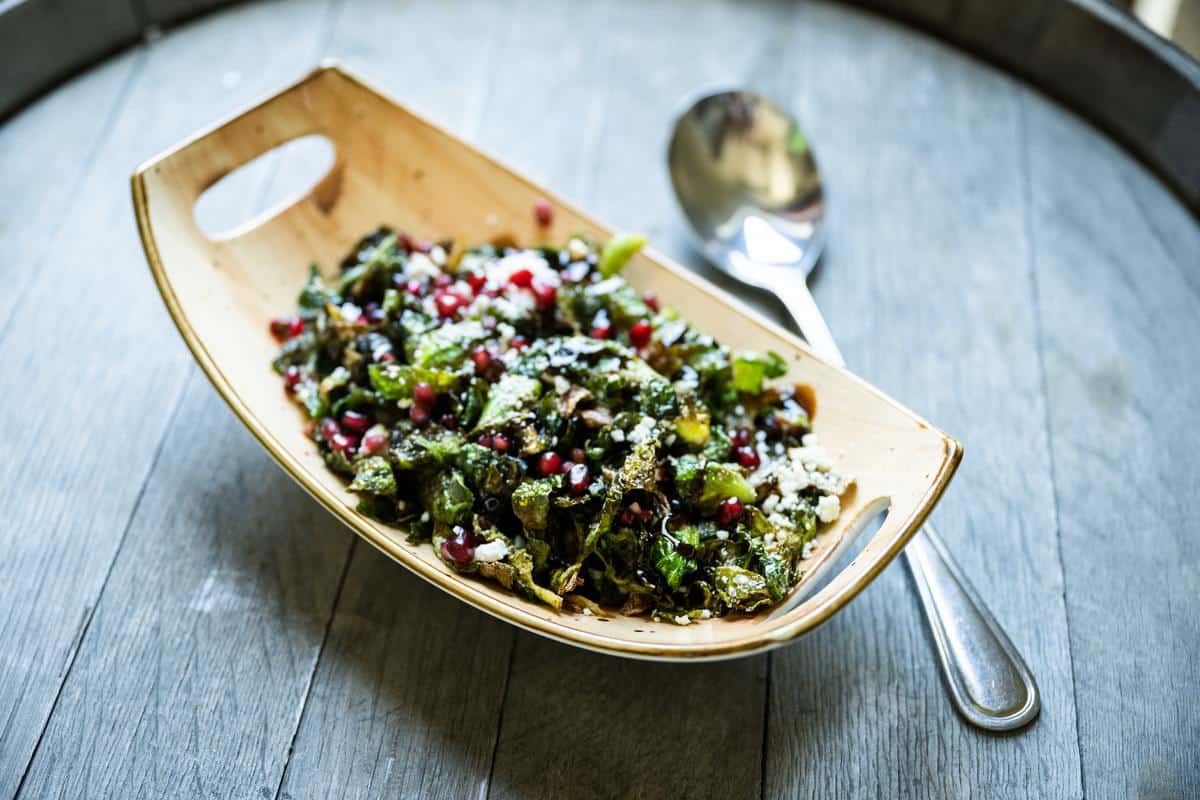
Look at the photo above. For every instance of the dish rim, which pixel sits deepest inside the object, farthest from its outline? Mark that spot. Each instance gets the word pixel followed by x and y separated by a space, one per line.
pixel 762 640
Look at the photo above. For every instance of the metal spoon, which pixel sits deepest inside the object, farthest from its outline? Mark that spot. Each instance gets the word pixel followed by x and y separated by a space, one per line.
pixel 747 181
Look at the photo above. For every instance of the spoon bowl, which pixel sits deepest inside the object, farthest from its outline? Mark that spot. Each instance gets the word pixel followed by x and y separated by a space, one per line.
pixel 747 180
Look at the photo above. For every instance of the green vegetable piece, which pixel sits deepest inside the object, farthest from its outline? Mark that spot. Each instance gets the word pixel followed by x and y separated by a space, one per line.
pixel 446 496
pixel 374 475
pixel 489 472
pixel 670 564
pixel 299 351
pixel 617 252
pixel 396 381
pixel 315 295
pixel 531 502
pixel 310 398
pixel 332 382
pixel 777 572
pixel 509 399
pixel 750 369
pixel 722 481
pixel 741 589
pixel 693 424
pixel 445 347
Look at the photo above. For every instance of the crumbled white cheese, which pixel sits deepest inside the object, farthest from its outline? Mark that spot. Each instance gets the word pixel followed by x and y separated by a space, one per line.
pixel 618 435
pixel 683 619
pixel 502 269
pixel 705 614
pixel 587 612
pixel 577 249
pixel 809 546
pixel 643 431
pixel 828 508
pixel 492 551
pixel 770 503
pixel 722 535
pixel 425 517
pixel 810 440
pixel 421 266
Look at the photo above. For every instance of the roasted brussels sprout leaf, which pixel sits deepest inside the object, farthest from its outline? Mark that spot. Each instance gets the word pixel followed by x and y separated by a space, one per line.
pixel 545 426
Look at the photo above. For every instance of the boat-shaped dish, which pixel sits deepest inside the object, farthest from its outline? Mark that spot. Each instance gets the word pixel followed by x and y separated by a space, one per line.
pixel 391 166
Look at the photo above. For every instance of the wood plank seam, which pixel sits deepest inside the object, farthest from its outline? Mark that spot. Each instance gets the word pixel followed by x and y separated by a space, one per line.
pixel 77 645
pixel 512 657
pixel 316 662
pixel 1039 338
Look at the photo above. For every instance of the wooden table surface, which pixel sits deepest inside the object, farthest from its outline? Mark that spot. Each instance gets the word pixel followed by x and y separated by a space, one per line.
pixel 177 619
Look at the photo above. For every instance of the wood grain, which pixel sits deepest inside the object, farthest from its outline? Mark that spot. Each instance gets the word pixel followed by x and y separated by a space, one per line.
pixel 1116 262
pixel 100 376
pixel 197 661
pixel 927 285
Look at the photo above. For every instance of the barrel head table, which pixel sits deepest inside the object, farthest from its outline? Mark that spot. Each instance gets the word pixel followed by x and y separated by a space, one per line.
pixel 177 619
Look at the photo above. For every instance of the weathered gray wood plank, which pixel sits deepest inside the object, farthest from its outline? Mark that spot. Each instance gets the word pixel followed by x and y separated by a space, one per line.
pixel 407 697
pixel 408 694
pixel 927 286
pixel 1116 260
pixel 45 153
pixel 192 674
pixel 101 369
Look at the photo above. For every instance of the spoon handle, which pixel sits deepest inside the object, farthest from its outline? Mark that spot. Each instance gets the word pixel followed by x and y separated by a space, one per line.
pixel 989 682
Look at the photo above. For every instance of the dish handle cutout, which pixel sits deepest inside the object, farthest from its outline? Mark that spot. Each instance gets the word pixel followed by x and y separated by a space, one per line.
pixel 256 191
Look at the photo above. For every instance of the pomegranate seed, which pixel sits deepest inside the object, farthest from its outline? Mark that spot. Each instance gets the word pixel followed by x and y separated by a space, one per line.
pixel 601 330
pixel 639 334
pixel 424 395
pixel 482 359
pixel 484 440
pixel 543 212
pixel 646 515
pixel 443 281
pixel 625 517
pixel 741 437
pixel 414 288
pixel 449 421
pixel 310 428
pixel 476 280
pixel 521 277
pixel 579 479
pixel 651 301
pixel 419 415
pixel 423 246
pixel 329 428
pixel 344 443
pixel 459 547
pixel 375 440
pixel 405 241
pixel 287 327
pixel 729 511
pixel 448 304
pixel 544 296
pixel 549 463
pixel 500 443
pixel 578 456
pixel 291 378
pixel 747 457
pixel 355 421
pixel 520 342
pixel 386 357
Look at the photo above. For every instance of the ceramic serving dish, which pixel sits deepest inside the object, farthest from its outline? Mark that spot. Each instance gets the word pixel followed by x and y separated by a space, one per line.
pixel 393 166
